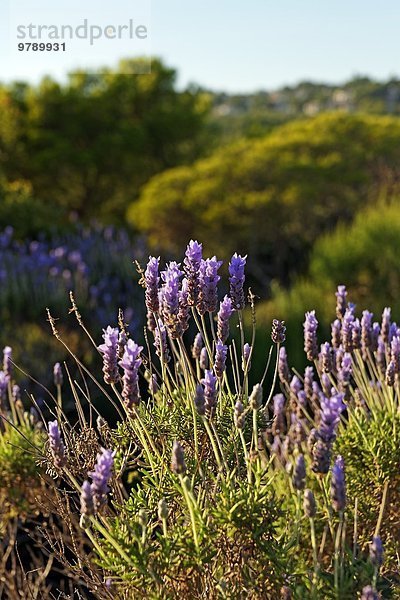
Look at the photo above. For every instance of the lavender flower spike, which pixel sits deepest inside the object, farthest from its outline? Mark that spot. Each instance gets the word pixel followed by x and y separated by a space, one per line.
pixel 7 365
pixel 221 352
pixel 109 351
pixel 236 280
pixel 178 465
pixel 299 473
pixel 283 367
pixel 278 331
pixel 310 336
pixel 386 322
pixel 197 346
pixel 87 505
pixel 208 278
pixel 191 267
pixel 247 350
pixel 368 593
pixel 58 375
pixel 347 330
pixel 341 296
pixel 152 279
pixel 101 475
pixel 57 447
pixel 4 381
pixel 169 299
pixel 224 314
pixel 210 391
pixel 376 552
pixel 131 363
pixel 338 485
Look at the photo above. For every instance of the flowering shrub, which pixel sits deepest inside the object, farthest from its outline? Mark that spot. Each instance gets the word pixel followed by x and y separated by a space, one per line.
pixel 211 485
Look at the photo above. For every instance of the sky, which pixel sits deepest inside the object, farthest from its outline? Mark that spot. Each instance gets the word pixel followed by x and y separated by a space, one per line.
pixel 230 45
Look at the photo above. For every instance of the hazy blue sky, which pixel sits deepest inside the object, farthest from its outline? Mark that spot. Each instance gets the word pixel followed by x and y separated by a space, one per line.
pixel 242 45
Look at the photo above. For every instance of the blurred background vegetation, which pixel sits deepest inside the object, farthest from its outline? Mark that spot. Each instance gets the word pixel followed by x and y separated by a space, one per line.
pixel 103 169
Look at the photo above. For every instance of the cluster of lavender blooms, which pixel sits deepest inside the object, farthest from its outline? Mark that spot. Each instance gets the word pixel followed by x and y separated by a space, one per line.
pixel 38 273
pixel 309 409
pixel 173 297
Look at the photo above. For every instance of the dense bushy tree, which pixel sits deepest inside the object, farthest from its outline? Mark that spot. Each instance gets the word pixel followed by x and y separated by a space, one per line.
pixel 89 144
pixel 273 197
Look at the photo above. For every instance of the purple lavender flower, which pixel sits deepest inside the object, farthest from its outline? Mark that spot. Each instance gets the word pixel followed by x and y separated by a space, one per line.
pixel 169 299
pixel 341 301
pixel 178 465
pixel 191 267
pixel 347 330
pixel 239 415
pixel 356 335
pixel 224 314
pixel 324 436
pixel 336 331
pixel 381 356
pixel 160 343
pixel 326 357
pixel 199 400
pixel 278 333
pixel 221 352
pixel 210 389
pixel 236 280
pixel 368 593
pixel 309 504
pixel 87 504
pixel 58 374
pixel 326 384
pixel 299 473
pixel 295 385
pixel 247 350
pixel 255 399
pixel 310 336
pixel 57 447
pixel 153 385
pixel 308 381
pixel 331 409
pixel 283 368
pixel 184 308
pixel 101 475
pixel 4 381
pixel 209 278
pixel 278 425
pixel 346 370
pixel 385 327
pixel 152 279
pixel 376 552
pixel 16 393
pixel 131 362
pixel 338 485
pixel 151 321
pixel 395 352
pixel 7 364
pixel 376 331
pixel 197 346
pixel 203 361
pixel 366 331
pixel 109 351
pixel 390 374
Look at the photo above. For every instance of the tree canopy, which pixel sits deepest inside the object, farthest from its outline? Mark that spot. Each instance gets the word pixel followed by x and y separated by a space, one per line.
pixel 273 197
pixel 89 144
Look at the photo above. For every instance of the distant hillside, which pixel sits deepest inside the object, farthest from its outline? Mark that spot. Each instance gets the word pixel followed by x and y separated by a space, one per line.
pixel 252 115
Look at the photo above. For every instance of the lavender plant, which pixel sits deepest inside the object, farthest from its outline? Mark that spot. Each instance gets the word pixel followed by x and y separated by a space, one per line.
pixel 215 485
